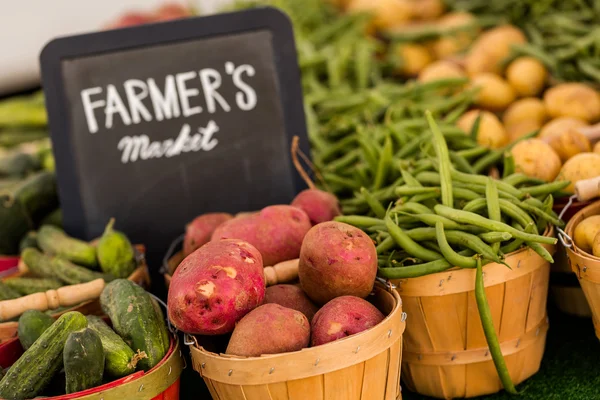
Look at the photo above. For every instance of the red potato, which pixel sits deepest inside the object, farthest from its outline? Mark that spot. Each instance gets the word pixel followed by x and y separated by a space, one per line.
pixel 130 19
pixel 269 329
pixel 337 259
pixel 320 206
pixel 291 296
pixel 276 231
pixel 215 286
pixel 171 11
pixel 341 317
pixel 199 231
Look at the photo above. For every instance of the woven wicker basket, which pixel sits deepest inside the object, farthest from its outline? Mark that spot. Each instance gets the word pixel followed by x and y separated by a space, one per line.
pixel 586 266
pixel 445 350
pixel 365 366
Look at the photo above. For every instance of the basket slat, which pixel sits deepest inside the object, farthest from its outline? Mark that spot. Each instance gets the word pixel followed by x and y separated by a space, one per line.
pixel 307 388
pixel 392 389
pixel 374 381
pixel 344 384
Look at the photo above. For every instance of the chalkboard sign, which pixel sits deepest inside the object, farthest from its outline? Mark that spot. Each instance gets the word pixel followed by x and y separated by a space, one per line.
pixel 154 125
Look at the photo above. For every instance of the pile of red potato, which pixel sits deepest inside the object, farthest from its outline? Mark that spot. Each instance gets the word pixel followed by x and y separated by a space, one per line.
pixel 219 288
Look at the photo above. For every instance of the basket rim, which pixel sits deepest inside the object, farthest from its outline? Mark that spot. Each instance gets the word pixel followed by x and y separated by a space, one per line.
pixel 460 280
pixel 570 229
pixel 305 363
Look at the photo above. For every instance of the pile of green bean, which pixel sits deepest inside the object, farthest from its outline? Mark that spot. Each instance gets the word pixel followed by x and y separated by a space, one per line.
pixel 444 218
pixel 564 35
pixel 22 120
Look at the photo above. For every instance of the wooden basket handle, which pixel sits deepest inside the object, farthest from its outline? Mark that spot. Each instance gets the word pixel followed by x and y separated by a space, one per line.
pixel 286 271
pixel 62 297
pixel 587 189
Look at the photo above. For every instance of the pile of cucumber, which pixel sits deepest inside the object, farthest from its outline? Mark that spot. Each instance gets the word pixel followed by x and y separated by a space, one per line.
pixel 54 259
pixel 75 352
pixel 28 196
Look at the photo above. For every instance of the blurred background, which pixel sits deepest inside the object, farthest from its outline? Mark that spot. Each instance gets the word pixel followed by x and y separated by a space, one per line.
pixel 26 26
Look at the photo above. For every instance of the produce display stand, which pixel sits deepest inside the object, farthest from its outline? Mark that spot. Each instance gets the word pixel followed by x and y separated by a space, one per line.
pixel 446 354
pixel 585 266
pixel 141 276
pixel 160 383
pixel 365 366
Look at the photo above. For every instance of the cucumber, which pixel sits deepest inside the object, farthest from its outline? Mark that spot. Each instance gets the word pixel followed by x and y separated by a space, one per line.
pixel 35 368
pixel 73 274
pixel 18 165
pixel 32 323
pixel 38 263
pixel 27 286
pixel 135 319
pixel 8 293
pixel 55 241
pixel 54 218
pixel 115 253
pixel 28 241
pixel 22 207
pixel 83 358
pixel 120 360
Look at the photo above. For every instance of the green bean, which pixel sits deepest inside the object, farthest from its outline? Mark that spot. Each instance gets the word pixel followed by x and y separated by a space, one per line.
pixel 414 190
pixel 463 239
pixel 475 205
pixel 512 246
pixel 475 128
pixel 409 245
pixel 369 151
pixel 386 245
pixel 338 147
pixel 411 147
pixel 341 181
pixel 373 203
pixel 486 161
pixel 465 194
pixel 473 153
pixel 509 165
pixel 449 254
pixel 414 271
pixel 359 221
pixel 409 179
pixel 465 217
pixel 493 206
pixel 540 213
pixel 428 178
pixel 416 208
pixel 461 163
pixel 482 180
pixel 344 161
pixel 488 328
pixel 432 219
pixel 519 178
pixel 385 162
pixel 548 204
pixel 495 237
pixel 548 188
pixel 516 213
pixel 441 150
pixel 477 188
pixel 420 198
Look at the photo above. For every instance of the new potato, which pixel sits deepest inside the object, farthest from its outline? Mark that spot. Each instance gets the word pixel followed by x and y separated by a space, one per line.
pixel 596 245
pixel 526 109
pixel 527 76
pixel 337 259
pixel 573 100
pixel 580 167
pixel 269 329
pixel 491 132
pixel 412 58
pixel 341 317
pixel 199 231
pixel 440 70
pixel 535 158
pixel 320 206
pixel 456 42
pixel 494 94
pixel 491 48
pixel 586 232
pixel 291 296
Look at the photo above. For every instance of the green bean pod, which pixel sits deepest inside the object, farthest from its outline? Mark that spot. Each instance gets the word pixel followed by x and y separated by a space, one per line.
pixel 449 254
pixel 409 245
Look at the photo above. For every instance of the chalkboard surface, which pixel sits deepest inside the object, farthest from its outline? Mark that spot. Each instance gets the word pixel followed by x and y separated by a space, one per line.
pixel 157 124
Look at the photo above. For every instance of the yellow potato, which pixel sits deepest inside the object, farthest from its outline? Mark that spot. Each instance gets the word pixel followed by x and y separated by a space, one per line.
pixel 428 10
pixel 527 76
pixel 457 42
pixel 440 70
pixel 520 129
pixel 494 92
pixel 536 159
pixel 585 233
pixel 561 124
pixel 527 109
pixel 386 13
pixel 491 132
pixel 569 143
pixel 580 167
pixel 491 48
pixel 413 58
pixel 597 148
pixel 573 100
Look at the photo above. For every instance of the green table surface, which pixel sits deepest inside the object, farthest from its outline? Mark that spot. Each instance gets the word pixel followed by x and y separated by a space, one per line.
pixel 570 368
